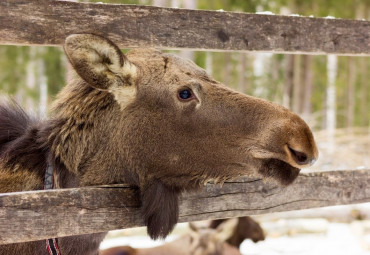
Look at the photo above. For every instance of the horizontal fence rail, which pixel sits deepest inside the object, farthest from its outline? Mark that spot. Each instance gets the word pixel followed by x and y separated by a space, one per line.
pixel 35 215
pixel 46 22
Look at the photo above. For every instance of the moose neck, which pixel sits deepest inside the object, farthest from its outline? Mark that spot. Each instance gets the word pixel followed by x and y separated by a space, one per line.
pixel 74 131
pixel 82 137
pixel 82 245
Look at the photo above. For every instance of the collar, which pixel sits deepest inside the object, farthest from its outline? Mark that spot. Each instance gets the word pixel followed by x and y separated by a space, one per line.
pixel 52 243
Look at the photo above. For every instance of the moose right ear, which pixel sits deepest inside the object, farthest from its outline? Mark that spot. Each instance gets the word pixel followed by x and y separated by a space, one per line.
pixel 99 61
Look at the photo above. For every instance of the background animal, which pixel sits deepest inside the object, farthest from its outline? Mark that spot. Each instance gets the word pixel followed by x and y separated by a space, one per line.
pixel 149 119
pixel 247 228
pixel 200 241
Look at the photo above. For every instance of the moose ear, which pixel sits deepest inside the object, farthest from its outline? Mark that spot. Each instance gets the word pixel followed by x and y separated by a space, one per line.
pixel 226 229
pixel 193 227
pixel 99 61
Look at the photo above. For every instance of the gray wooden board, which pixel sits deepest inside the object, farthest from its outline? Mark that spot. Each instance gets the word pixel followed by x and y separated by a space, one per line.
pixel 46 22
pixel 35 215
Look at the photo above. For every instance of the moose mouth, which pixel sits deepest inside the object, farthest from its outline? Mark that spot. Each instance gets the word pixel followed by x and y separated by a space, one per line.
pixel 279 171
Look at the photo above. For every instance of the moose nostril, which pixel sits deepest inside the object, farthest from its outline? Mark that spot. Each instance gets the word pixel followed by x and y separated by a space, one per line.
pixel 300 157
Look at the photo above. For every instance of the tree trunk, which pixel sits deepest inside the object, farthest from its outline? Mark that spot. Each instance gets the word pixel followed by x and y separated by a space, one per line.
pixel 175 4
pixel 43 87
pixel 351 82
pixel 275 80
pixel 242 74
pixel 31 78
pixel 365 88
pixel 297 84
pixel 160 3
pixel 288 85
pixel 331 120
pixel 190 4
pixel 209 63
pixel 308 86
pixel 363 12
pixel 227 69
pixel 248 74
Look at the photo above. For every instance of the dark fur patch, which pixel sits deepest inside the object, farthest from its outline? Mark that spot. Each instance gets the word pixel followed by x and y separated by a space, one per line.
pixel 121 253
pixel 165 63
pixel 279 171
pixel 26 152
pixel 13 123
pixel 21 146
pixel 159 208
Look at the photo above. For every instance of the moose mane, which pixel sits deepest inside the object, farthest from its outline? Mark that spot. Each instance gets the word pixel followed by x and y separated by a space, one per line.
pixel 29 144
pixel 22 149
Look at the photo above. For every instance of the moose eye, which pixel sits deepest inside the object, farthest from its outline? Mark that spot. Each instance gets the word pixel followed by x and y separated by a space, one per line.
pixel 185 94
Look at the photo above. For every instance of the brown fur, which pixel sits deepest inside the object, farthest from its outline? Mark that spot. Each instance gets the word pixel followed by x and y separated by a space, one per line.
pixel 121 121
pixel 247 228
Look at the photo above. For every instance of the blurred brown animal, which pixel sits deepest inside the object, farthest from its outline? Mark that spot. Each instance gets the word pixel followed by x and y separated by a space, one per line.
pixel 247 228
pixel 148 119
pixel 200 241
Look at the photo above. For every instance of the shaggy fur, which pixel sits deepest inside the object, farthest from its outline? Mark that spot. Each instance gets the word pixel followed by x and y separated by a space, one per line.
pixel 122 121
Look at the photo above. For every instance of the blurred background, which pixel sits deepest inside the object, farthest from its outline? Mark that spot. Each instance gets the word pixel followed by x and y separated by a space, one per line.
pixel 332 93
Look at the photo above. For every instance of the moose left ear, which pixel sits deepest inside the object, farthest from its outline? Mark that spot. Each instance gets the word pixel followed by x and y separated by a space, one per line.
pixel 99 61
pixel 226 229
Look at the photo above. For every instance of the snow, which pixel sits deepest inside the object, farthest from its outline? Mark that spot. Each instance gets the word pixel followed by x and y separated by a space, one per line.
pixel 265 13
pixel 361 168
pixel 338 240
pixel 134 241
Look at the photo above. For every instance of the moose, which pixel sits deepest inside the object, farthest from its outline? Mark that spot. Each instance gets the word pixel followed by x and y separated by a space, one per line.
pixel 221 237
pixel 199 241
pixel 149 119
pixel 246 228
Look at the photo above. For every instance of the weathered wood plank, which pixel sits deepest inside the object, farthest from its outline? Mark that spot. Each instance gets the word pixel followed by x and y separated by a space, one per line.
pixel 41 214
pixel 46 22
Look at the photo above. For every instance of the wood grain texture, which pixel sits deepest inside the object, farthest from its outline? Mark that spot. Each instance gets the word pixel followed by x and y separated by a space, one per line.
pixel 46 22
pixel 38 215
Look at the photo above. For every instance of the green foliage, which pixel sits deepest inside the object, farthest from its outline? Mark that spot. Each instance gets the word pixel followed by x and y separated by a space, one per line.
pixel 12 64
pixel 54 69
pixel 18 71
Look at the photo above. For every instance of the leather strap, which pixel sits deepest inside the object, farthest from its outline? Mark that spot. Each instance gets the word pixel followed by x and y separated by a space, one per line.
pixel 52 243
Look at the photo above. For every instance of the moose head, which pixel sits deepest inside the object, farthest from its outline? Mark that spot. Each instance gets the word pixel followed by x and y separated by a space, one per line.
pixel 169 126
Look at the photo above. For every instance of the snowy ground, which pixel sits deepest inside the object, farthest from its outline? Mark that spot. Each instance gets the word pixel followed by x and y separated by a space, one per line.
pixel 342 150
pixel 338 239
pixel 335 238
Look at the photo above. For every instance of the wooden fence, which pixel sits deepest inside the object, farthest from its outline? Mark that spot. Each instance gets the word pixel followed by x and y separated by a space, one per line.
pixel 25 215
